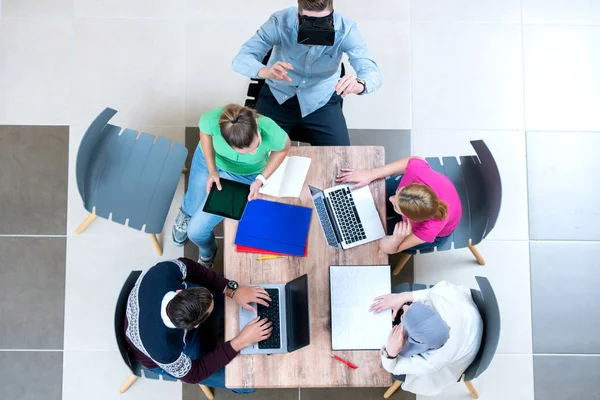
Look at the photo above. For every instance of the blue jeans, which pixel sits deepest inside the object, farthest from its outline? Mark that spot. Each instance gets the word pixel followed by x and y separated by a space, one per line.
pixel 204 339
pixel 200 227
pixel 391 185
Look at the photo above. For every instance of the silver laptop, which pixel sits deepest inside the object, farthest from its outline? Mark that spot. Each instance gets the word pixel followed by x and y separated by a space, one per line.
pixel 349 218
pixel 289 312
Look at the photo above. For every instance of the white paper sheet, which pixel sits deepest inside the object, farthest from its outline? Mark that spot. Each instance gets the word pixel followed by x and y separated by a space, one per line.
pixel 353 288
pixel 288 179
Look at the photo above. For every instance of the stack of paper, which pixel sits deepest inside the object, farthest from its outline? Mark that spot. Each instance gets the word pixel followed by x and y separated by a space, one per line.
pixel 288 179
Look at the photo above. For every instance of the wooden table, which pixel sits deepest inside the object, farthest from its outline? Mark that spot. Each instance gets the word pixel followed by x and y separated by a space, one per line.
pixel 310 366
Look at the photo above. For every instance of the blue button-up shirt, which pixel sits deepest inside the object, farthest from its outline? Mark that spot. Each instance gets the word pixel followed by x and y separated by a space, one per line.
pixel 316 68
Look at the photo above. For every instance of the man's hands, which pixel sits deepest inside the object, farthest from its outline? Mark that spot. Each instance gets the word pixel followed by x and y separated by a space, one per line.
pixel 277 71
pixel 402 230
pixel 257 330
pixel 396 341
pixel 349 85
pixel 360 177
pixel 245 295
pixel 254 188
pixel 213 178
pixel 393 302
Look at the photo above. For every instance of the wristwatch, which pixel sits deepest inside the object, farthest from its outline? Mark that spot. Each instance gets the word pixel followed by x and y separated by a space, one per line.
pixel 261 178
pixel 386 354
pixel 230 289
pixel 362 83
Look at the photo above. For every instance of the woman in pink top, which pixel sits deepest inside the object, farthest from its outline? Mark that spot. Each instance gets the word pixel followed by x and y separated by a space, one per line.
pixel 427 203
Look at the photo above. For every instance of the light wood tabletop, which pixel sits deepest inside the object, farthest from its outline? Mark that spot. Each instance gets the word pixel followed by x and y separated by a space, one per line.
pixel 310 366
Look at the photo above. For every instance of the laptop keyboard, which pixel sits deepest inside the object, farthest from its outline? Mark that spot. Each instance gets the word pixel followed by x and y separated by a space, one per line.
pixel 347 215
pixel 325 223
pixel 272 314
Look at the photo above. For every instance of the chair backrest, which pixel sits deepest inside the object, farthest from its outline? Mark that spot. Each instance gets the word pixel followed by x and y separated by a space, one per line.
pixel 120 313
pixel 491 182
pixel 487 304
pixel 256 84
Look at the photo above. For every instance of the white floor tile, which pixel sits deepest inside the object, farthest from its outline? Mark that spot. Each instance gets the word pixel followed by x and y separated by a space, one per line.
pixel 35 71
pixel 36 8
pixel 97 267
pixel 211 81
pixel 380 10
pixel 467 76
pixel 76 213
pixel 132 65
pixel 562 84
pixel 507 268
pixel 508 148
pixel 226 10
pixel 509 377
pixel 389 107
pixel 130 8
pixel 98 375
pixel 466 11
pixel 561 11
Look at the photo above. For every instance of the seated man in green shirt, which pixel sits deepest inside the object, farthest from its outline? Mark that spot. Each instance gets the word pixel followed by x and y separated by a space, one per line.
pixel 237 144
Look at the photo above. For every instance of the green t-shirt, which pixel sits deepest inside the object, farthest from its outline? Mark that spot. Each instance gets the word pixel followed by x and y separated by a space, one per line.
pixel 226 158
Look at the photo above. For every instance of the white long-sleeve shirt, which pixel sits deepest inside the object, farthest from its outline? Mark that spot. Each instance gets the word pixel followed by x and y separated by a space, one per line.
pixel 429 373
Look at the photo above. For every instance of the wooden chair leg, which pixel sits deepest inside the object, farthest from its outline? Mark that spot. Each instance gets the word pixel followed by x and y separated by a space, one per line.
pixel 392 389
pixel 471 388
pixel 130 381
pixel 476 253
pixel 156 244
pixel 404 257
pixel 86 223
pixel 209 394
pixel 185 170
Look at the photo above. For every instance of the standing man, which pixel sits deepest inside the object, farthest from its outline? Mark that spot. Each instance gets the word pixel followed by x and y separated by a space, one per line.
pixel 304 91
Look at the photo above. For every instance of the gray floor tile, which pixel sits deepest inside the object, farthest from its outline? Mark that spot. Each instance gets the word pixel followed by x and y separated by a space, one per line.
pixel 33 179
pixel 562 181
pixel 191 251
pixel 32 293
pixel 31 375
pixel 395 141
pixel 193 392
pixel 352 394
pixel 564 297
pixel 566 377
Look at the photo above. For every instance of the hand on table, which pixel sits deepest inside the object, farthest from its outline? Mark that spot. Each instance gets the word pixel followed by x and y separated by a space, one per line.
pixel 277 71
pixel 254 190
pixel 348 85
pixel 396 340
pixel 360 177
pixel 393 302
pixel 213 178
pixel 245 295
pixel 257 330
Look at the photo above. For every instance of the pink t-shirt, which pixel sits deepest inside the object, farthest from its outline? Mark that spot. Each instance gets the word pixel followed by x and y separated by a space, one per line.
pixel 418 171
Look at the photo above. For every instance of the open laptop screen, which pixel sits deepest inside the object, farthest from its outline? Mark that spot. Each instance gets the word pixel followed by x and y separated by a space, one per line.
pixel 297 309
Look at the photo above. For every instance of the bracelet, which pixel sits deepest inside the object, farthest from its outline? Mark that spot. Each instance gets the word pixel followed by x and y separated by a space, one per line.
pixel 261 178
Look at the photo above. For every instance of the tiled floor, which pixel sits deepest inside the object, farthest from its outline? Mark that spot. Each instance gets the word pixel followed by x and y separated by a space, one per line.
pixel 520 74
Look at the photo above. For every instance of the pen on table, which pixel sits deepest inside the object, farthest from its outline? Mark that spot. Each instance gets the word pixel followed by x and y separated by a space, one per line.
pixel 268 257
pixel 344 361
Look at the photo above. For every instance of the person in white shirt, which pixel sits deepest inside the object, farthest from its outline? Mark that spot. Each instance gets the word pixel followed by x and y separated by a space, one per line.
pixel 436 339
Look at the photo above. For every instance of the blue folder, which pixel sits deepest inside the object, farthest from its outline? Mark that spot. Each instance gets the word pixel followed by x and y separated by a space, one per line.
pixel 272 226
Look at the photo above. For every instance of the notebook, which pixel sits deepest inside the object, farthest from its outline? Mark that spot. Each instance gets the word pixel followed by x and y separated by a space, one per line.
pixel 353 288
pixel 288 179
pixel 272 226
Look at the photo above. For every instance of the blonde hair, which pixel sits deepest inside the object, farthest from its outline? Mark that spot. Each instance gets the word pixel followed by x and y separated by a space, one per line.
pixel 239 125
pixel 420 203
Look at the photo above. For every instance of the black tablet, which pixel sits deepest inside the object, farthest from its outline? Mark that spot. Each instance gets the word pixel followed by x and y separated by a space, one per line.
pixel 229 202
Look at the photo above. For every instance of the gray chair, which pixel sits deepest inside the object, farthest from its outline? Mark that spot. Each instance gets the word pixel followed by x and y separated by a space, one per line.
pixel 487 304
pixel 127 177
pixel 137 370
pixel 477 181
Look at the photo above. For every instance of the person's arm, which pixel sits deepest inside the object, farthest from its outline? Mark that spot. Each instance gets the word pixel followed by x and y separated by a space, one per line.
pixel 275 159
pixel 364 177
pixel 206 141
pixel 248 61
pixel 196 273
pixel 415 365
pixel 361 60
pixel 207 365
pixel 392 245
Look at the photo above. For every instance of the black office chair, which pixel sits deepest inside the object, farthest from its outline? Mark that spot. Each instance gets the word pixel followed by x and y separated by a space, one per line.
pixel 477 181
pixel 487 304
pixel 256 85
pixel 126 353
